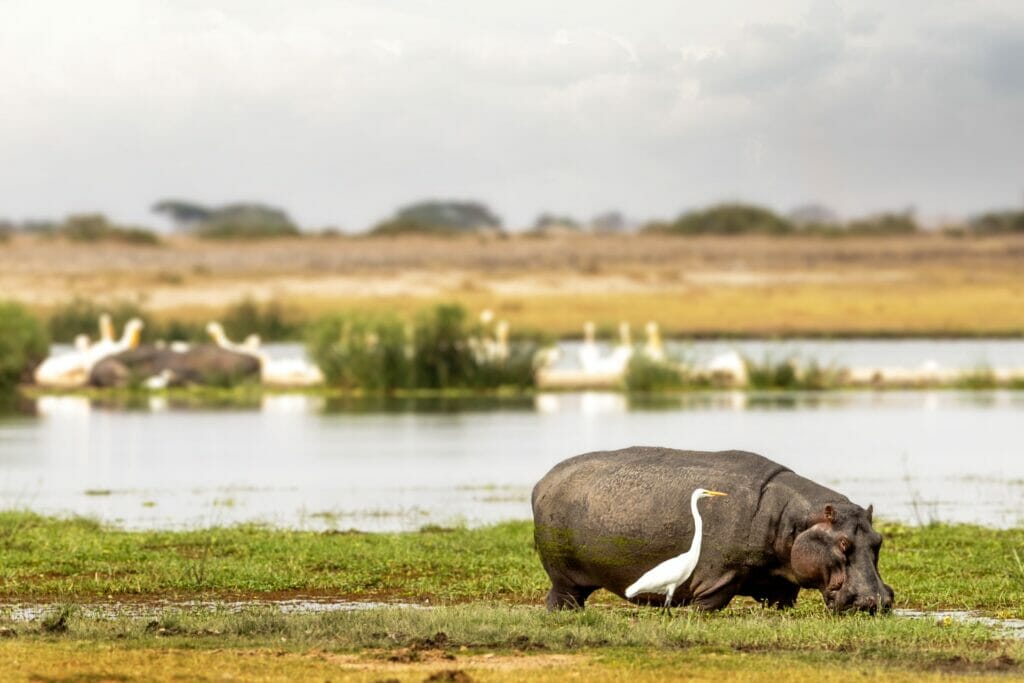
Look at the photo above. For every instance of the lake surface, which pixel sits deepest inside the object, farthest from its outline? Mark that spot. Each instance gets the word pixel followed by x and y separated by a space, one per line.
pixel 303 461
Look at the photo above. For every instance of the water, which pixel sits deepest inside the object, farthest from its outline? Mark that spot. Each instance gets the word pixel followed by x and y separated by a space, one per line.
pixel 962 354
pixel 304 461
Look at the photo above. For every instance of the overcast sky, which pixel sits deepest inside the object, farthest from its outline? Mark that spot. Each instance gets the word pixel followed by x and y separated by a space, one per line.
pixel 342 111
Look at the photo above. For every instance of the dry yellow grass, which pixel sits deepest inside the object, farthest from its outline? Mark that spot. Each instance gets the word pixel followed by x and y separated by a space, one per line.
pixel 926 284
pixel 66 661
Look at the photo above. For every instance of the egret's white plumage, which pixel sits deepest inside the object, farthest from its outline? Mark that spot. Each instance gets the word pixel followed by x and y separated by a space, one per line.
pixel 668 575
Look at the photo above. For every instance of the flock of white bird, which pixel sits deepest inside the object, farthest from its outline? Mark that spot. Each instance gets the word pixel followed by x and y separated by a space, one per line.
pixel 72 368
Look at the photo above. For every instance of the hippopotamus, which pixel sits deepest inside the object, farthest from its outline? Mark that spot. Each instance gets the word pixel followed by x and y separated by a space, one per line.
pixel 204 364
pixel 603 519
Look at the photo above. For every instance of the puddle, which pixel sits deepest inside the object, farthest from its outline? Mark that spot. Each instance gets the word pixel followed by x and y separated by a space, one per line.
pixel 154 608
pixel 1010 627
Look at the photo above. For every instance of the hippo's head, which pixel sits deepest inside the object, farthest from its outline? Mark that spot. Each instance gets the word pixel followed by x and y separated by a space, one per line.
pixel 838 554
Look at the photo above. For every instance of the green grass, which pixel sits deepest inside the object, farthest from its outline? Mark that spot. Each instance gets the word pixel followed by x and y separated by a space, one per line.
pixel 941 566
pixel 484 588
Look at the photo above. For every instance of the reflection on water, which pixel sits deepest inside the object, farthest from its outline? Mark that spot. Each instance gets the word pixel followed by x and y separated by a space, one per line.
pixel 399 463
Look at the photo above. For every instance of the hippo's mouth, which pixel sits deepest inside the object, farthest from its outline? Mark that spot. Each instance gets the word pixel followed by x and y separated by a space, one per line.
pixel 871 606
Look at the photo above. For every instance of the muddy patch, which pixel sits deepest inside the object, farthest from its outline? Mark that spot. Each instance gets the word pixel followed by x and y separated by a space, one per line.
pixel 1013 628
pixel 25 612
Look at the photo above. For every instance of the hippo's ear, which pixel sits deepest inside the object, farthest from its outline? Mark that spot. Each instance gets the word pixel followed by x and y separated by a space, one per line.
pixel 811 556
pixel 830 514
pixel 871 513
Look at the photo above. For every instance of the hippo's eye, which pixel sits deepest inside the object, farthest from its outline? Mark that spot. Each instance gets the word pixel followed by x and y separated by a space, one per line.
pixel 844 544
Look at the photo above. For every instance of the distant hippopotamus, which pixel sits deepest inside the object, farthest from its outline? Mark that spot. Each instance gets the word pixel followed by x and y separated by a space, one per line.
pixel 603 519
pixel 204 364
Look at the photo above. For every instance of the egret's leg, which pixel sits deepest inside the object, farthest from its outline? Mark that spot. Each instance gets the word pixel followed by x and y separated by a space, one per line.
pixel 668 599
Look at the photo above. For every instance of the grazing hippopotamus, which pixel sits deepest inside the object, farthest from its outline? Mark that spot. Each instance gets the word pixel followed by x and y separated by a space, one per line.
pixel 204 364
pixel 603 519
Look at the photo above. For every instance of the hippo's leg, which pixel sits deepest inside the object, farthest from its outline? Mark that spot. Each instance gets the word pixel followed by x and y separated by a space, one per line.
pixel 716 594
pixel 566 595
pixel 773 592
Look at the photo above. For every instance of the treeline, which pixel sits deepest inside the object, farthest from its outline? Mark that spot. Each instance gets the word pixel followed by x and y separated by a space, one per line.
pixel 90 227
pixel 446 218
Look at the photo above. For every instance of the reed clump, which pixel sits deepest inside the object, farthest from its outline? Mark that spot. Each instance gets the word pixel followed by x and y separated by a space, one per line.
pixel 441 349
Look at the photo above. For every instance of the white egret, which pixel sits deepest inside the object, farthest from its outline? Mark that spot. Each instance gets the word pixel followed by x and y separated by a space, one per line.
pixel 589 354
pixel 285 372
pixel 668 575
pixel 654 348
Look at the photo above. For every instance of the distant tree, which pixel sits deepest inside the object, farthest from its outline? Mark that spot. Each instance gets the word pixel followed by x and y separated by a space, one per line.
pixel 730 219
pixel 813 216
pixel 886 223
pixel 94 227
pixel 548 221
pixel 439 217
pixel 997 222
pixel 608 222
pixel 247 220
pixel 240 220
pixel 184 214
pixel 39 227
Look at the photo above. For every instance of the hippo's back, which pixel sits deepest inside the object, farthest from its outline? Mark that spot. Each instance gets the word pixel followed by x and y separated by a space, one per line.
pixel 601 514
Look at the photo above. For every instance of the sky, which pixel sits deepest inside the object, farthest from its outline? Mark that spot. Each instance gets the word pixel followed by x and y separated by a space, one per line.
pixel 341 112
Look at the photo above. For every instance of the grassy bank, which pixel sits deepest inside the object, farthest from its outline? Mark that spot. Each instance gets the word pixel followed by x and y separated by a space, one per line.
pixel 941 566
pixel 485 622
pixel 507 643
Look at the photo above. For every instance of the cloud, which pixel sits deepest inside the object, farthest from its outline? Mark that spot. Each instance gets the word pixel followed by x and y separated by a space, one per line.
pixel 340 111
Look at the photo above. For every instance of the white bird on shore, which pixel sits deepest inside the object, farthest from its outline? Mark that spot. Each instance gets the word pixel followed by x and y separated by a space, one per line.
pixel 71 369
pixel 729 366
pixel 654 348
pixel 668 575
pixel 617 362
pixel 589 354
pixel 285 372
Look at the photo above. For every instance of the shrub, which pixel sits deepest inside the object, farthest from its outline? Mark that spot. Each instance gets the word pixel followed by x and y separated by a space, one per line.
pixel 225 229
pixel 791 374
pixel 771 374
pixel 96 228
pixel 884 224
pixel 23 344
pixel 80 316
pixel 268 320
pixel 443 351
pixel 995 222
pixel 646 374
pixel 442 357
pixel 730 219
pixel 517 369
pixel 439 218
pixel 361 351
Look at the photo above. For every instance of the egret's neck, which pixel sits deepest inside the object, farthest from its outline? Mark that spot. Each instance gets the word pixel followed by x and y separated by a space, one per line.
pixel 698 525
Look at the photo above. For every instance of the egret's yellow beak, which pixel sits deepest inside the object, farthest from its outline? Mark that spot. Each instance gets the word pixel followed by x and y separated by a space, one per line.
pixel 715 493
